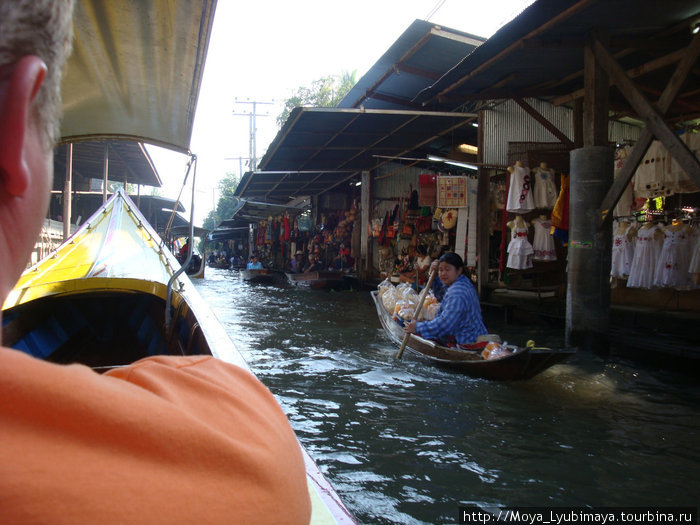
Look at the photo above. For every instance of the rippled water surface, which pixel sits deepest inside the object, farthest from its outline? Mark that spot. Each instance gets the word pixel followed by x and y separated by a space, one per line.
pixel 406 442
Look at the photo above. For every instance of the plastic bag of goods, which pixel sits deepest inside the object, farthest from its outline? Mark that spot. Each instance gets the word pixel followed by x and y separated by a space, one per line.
pixel 404 309
pixel 494 350
pixel 384 286
pixel 429 311
pixel 389 299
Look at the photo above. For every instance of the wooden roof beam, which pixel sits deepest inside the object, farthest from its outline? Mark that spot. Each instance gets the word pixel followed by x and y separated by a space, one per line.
pixel 664 103
pixel 545 123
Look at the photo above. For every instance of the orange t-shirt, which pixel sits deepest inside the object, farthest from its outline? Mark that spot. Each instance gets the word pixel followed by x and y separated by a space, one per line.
pixel 165 440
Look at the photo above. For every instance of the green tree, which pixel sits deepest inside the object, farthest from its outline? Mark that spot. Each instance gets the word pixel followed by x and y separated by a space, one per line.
pixel 226 202
pixel 326 92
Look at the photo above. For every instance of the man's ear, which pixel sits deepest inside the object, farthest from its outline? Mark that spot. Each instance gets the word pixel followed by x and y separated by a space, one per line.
pixel 16 95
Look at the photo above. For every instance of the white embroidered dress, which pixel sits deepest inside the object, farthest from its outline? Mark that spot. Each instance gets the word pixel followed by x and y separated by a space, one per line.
pixel 543 243
pixel 520 191
pixel 519 250
pixel 646 253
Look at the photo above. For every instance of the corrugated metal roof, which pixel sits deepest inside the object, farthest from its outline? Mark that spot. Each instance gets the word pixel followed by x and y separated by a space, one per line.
pixel 420 56
pixel 540 53
pixel 136 70
pixel 321 148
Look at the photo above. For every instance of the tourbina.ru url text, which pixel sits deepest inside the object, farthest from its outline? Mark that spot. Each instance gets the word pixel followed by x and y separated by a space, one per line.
pixel 568 515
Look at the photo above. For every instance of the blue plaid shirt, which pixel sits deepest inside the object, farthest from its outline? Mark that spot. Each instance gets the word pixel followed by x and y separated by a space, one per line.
pixel 459 314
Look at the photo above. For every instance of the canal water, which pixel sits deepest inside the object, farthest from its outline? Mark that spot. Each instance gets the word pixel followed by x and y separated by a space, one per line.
pixel 406 442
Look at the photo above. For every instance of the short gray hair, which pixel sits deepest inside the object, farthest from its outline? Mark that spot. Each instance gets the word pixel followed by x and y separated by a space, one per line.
pixel 43 28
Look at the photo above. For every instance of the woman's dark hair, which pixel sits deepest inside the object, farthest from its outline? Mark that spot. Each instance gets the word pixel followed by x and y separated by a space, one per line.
pixel 453 259
pixel 421 250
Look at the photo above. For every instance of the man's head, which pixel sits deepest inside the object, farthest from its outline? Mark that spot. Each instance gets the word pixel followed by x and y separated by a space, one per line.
pixel 35 41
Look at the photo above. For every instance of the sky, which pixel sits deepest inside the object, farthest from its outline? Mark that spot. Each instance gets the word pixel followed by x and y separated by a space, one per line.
pixel 263 51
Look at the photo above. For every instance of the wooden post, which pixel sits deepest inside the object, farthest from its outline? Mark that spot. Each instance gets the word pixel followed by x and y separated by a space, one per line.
pixel 483 214
pixel 67 191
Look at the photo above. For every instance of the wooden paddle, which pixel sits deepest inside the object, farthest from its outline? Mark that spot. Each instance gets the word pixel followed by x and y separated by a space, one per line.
pixel 421 300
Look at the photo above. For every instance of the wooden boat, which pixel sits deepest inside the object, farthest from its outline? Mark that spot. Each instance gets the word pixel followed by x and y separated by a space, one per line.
pixel 323 279
pixel 264 275
pixel 101 299
pixel 195 270
pixel 523 363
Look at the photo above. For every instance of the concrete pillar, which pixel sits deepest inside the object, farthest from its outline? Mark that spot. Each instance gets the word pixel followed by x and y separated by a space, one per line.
pixel 588 291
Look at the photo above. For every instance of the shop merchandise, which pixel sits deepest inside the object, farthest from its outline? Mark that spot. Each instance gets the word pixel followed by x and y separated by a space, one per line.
pixel 520 198
pixel 543 243
pixel 623 250
pixel 520 250
pixel 674 260
pixel 649 177
pixel 545 189
pixel 660 175
pixel 646 254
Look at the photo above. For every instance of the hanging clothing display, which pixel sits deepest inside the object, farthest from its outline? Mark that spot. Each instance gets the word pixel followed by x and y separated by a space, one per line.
pixel 545 188
pixel 649 177
pixel 674 259
pixel 646 253
pixel 543 243
pixel 520 250
pixel 623 250
pixel 520 191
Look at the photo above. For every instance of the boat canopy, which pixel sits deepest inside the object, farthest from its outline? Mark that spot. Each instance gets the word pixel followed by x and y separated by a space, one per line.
pixel 136 70
pixel 115 244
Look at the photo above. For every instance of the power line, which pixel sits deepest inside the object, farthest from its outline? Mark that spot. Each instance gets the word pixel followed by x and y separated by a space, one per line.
pixel 435 9
pixel 252 115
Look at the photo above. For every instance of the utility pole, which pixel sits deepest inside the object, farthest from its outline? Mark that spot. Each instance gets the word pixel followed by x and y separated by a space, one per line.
pixel 252 115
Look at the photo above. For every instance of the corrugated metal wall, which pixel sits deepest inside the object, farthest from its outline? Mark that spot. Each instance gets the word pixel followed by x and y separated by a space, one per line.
pixel 508 122
pixel 392 182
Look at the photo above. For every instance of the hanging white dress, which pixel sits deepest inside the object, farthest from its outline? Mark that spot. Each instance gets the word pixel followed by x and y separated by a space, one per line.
pixel 545 189
pixel 543 243
pixel 519 250
pixel 674 260
pixel 520 191
pixel 646 253
pixel 649 177
pixel 622 252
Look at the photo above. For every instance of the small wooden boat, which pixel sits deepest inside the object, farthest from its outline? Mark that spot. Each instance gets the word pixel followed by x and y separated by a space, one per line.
pixel 195 270
pixel 523 363
pixel 264 275
pixel 101 299
pixel 323 279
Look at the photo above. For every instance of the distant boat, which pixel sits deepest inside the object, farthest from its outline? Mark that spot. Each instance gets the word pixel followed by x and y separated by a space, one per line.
pixel 523 363
pixel 264 275
pixel 323 279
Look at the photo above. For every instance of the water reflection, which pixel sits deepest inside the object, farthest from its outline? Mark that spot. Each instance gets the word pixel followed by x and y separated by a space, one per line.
pixel 404 442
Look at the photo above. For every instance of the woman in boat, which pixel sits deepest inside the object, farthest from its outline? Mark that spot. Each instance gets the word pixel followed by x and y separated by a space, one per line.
pixel 458 320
